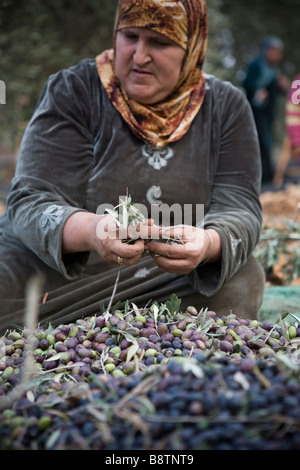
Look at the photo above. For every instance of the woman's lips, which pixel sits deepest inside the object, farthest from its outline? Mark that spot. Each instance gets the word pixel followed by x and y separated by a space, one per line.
pixel 141 73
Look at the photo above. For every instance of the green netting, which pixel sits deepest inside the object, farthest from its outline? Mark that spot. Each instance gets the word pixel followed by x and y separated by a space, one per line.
pixel 279 300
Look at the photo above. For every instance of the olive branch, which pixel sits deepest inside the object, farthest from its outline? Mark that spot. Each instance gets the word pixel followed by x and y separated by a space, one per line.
pixel 132 215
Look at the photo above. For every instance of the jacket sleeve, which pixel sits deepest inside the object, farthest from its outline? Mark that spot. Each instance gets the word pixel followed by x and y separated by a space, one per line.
pixel 235 211
pixel 52 170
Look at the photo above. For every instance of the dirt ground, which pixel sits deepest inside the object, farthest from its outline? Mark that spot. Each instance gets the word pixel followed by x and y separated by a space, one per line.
pixel 280 207
pixel 282 204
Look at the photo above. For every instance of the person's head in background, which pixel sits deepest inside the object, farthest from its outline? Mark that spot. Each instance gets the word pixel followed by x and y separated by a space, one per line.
pixel 272 49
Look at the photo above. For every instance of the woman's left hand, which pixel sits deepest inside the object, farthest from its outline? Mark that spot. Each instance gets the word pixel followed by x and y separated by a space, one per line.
pixel 192 247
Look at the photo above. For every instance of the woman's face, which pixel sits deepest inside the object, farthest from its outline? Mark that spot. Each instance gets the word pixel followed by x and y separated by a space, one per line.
pixel 147 64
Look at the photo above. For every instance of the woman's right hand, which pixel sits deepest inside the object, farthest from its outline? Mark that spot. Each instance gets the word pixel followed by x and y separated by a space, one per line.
pixel 84 231
pixel 111 242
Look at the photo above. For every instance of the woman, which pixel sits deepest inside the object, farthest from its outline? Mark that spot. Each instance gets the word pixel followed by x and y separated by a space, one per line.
pixel 143 118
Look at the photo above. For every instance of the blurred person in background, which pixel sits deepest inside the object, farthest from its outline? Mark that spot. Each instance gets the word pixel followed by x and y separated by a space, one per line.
pixel 263 83
pixel 291 145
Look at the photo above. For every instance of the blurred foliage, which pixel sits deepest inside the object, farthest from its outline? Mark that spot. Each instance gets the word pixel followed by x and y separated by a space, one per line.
pixel 251 22
pixel 279 250
pixel 39 37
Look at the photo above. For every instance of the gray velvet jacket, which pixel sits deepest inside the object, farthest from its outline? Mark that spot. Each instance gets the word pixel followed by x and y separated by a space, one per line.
pixel 77 154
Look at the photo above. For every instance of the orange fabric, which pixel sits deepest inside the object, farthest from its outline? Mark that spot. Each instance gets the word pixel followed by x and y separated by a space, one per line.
pixel 171 20
pixel 186 23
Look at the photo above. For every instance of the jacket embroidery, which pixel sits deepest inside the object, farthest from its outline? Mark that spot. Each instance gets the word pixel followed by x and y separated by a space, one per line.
pixel 157 158
pixel 141 273
pixel 234 244
pixel 153 195
pixel 51 217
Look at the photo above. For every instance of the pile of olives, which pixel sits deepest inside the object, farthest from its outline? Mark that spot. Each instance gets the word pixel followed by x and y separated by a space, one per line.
pixel 153 379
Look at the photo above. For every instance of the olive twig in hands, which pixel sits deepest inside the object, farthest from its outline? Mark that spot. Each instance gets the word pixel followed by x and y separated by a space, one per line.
pixel 134 225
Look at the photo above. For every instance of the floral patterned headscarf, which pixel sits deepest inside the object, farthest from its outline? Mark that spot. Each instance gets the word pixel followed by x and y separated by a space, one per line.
pixel 184 22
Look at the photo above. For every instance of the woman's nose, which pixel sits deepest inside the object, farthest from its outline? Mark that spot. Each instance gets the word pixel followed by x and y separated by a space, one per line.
pixel 141 53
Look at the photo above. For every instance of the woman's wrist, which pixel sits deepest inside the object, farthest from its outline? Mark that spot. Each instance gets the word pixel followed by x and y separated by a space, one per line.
pixel 79 233
pixel 213 246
